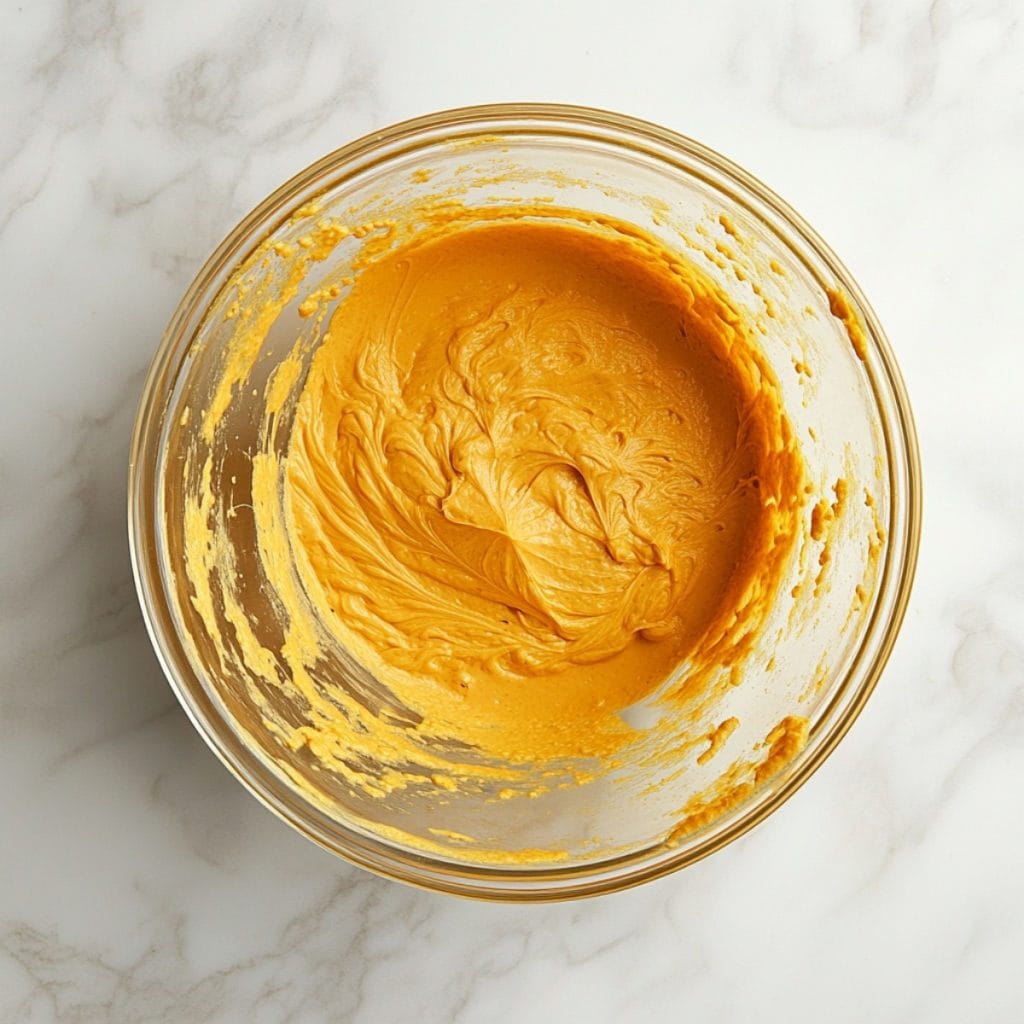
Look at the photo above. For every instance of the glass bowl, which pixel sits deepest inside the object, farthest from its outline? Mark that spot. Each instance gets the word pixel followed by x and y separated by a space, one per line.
pixel 831 629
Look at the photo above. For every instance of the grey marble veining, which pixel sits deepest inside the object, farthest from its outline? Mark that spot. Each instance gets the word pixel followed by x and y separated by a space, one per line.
pixel 139 882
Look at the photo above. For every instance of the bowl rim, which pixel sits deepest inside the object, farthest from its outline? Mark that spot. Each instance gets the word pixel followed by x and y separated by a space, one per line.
pixel 591 878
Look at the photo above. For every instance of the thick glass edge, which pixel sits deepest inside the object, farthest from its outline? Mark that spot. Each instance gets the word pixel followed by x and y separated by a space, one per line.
pixel 586 880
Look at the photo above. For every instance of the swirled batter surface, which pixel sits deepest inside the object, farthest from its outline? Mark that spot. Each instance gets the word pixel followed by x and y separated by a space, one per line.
pixel 535 473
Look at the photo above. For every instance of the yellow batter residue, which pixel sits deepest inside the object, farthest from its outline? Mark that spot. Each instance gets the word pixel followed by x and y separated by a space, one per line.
pixel 842 309
pixel 536 472
pixel 782 744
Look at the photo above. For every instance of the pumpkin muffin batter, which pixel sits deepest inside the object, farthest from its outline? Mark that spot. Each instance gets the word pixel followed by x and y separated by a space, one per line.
pixel 536 474
pixel 521 502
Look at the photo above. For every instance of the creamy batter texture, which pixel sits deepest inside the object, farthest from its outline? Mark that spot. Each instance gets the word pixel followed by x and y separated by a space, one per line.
pixel 529 477
pixel 538 473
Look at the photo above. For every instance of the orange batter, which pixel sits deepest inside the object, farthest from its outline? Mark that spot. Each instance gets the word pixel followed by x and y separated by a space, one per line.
pixel 537 472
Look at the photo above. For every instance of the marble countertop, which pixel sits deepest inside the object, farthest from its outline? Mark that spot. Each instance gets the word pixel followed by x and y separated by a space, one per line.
pixel 139 882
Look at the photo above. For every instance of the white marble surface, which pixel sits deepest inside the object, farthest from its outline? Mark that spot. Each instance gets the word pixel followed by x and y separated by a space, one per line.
pixel 139 882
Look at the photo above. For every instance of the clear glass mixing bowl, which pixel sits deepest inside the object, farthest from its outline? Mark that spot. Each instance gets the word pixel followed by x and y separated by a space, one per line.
pixel 823 648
